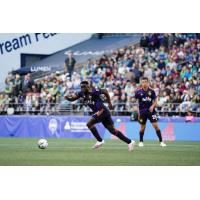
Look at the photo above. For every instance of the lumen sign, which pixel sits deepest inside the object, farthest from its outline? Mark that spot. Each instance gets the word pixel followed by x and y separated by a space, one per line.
pixel 40 68
pixel 23 40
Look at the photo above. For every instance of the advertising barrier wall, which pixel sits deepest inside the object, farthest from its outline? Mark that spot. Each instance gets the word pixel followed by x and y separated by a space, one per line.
pixel 75 127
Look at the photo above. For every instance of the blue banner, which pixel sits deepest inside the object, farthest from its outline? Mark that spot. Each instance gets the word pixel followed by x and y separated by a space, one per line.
pixel 75 127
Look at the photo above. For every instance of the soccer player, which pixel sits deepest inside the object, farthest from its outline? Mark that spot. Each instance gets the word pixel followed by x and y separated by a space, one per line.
pixel 147 103
pixel 101 114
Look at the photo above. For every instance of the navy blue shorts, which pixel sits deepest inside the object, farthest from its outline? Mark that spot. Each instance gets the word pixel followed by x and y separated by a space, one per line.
pixel 105 118
pixel 152 117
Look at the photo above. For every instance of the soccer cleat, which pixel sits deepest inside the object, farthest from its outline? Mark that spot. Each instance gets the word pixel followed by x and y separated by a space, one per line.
pixel 141 144
pixel 131 145
pixel 162 144
pixel 98 144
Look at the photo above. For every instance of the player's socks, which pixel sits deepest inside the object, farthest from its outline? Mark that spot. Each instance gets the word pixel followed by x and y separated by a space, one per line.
pixel 158 132
pixel 122 137
pixel 96 134
pixel 141 136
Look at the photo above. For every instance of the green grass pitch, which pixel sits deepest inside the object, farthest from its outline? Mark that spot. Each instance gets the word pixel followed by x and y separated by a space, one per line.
pixel 78 152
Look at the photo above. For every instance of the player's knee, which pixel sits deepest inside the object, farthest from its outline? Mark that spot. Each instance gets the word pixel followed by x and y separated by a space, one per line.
pixel 112 130
pixel 89 125
pixel 157 128
pixel 115 132
pixel 142 129
pixel 142 132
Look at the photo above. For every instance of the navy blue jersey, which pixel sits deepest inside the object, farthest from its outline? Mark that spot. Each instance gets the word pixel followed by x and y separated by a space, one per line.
pixel 93 99
pixel 145 99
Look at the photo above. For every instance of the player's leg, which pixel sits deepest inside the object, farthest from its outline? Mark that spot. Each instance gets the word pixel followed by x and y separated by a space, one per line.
pixel 142 129
pixel 157 129
pixel 109 125
pixel 142 120
pixel 158 132
pixel 91 126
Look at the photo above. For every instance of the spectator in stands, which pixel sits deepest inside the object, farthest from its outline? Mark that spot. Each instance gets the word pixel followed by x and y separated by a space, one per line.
pixel 122 69
pixel 8 86
pixel 69 83
pixel 16 85
pixel 111 93
pixel 122 102
pixel 19 102
pixel 195 102
pixel 35 103
pixel 188 74
pixel 69 64
pixel 161 64
pixel 165 41
pixel 185 106
pixel 28 103
pixel 148 72
pixel 129 90
pixel 43 96
pixel 130 75
pixel 84 72
pixel 54 93
pixel 27 83
pixel 2 103
pixel 137 73
pixel 144 41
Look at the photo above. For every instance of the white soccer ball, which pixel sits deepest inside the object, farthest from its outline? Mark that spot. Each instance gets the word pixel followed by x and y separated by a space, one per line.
pixel 42 143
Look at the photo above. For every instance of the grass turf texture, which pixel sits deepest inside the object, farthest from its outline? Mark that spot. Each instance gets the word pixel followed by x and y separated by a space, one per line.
pixel 78 152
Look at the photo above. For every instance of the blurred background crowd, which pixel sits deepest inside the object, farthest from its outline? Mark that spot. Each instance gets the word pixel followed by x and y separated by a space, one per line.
pixel 170 61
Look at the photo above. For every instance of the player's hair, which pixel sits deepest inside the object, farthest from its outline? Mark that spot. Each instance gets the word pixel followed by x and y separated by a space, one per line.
pixel 144 78
pixel 84 83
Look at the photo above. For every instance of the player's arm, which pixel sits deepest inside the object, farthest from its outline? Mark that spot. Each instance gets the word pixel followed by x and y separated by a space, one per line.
pixel 154 104
pixel 72 97
pixel 105 92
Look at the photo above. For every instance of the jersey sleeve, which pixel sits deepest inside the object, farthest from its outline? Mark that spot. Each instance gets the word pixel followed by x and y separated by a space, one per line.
pixel 98 92
pixel 79 94
pixel 136 94
pixel 153 95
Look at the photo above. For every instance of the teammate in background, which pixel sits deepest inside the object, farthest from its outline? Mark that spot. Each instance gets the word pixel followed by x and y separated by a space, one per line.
pixel 101 114
pixel 147 103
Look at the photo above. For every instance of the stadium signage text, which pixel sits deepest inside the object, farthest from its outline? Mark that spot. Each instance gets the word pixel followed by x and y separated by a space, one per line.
pixel 22 41
pixel 41 68
pixel 79 53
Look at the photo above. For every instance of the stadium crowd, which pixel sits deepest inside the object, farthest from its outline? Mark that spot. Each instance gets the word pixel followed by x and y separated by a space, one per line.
pixel 170 61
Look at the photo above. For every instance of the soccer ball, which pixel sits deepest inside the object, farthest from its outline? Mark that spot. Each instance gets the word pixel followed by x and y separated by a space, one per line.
pixel 42 143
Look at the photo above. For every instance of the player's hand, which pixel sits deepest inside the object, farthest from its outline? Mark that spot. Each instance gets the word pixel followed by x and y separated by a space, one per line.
pixel 151 109
pixel 110 106
pixel 67 98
